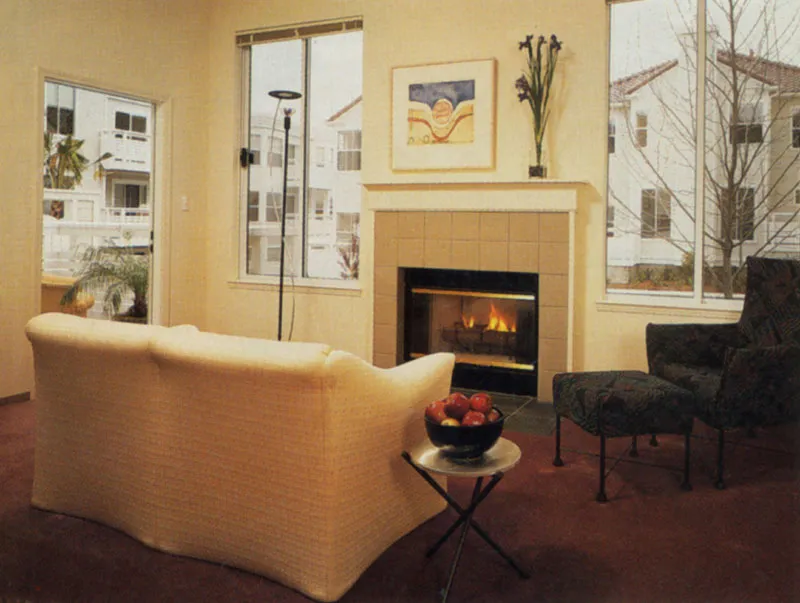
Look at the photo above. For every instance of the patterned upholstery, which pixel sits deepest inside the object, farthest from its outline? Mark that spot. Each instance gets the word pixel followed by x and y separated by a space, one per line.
pixel 622 403
pixel 743 374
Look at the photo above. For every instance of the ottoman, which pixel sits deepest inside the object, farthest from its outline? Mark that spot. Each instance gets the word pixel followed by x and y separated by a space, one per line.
pixel 612 404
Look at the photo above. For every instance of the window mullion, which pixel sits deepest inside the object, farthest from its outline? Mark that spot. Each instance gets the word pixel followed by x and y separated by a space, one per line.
pixel 700 144
pixel 304 154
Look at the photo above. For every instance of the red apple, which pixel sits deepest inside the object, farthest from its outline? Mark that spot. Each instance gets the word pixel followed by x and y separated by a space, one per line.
pixel 492 416
pixel 457 405
pixel 474 417
pixel 435 411
pixel 482 402
pixel 451 422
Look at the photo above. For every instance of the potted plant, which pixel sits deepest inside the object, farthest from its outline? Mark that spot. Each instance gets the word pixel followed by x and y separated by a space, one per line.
pixel 534 86
pixel 118 272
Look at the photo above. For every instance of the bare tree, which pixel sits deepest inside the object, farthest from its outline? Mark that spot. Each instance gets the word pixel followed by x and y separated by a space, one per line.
pixel 751 167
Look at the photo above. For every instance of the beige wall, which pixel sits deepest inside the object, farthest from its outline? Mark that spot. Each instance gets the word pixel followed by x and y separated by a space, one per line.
pixel 150 48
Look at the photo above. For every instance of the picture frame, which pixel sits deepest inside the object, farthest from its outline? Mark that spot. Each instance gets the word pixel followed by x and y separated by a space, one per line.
pixel 443 116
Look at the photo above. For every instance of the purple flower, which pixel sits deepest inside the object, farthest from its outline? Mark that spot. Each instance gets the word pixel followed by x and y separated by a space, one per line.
pixel 526 43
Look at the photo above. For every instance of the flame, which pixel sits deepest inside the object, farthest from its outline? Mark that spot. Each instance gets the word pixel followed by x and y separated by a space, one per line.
pixel 497 322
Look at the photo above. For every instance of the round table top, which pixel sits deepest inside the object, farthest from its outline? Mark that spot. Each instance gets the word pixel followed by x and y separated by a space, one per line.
pixel 500 457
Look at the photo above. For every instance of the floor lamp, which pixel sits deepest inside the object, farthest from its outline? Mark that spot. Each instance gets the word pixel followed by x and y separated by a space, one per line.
pixel 287 123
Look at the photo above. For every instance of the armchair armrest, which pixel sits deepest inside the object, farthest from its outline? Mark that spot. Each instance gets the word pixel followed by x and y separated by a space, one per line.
pixel 690 344
pixel 761 386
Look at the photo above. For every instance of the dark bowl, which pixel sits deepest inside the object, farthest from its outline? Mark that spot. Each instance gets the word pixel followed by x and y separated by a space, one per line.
pixel 464 442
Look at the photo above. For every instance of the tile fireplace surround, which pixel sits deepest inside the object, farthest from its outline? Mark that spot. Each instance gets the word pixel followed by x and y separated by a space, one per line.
pixel 507 237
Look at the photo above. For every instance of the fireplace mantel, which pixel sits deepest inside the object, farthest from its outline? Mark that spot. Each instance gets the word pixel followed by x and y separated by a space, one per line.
pixel 522 196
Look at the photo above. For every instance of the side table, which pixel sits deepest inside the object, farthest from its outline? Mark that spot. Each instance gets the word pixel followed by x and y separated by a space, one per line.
pixel 427 459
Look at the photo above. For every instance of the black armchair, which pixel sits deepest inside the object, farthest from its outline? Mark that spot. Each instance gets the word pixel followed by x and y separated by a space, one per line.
pixel 744 374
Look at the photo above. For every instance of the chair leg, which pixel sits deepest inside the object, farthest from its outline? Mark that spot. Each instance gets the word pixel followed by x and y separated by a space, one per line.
pixel 557 461
pixel 601 494
pixel 634 449
pixel 687 462
pixel 720 483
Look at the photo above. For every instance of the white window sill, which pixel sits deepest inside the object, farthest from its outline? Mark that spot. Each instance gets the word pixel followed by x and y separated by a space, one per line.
pixel 671 304
pixel 309 285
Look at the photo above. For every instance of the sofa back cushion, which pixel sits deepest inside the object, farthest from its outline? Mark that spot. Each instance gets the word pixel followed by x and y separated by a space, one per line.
pixel 771 313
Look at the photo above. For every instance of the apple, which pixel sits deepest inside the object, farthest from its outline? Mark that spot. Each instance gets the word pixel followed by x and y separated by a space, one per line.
pixel 481 401
pixel 493 416
pixel 451 422
pixel 457 405
pixel 435 411
pixel 473 417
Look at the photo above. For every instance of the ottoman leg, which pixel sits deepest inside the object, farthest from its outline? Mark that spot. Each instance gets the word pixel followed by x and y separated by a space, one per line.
pixel 653 440
pixel 557 461
pixel 687 461
pixel 634 448
pixel 601 494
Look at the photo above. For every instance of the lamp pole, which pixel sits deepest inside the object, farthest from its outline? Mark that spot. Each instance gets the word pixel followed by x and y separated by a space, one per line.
pixel 287 124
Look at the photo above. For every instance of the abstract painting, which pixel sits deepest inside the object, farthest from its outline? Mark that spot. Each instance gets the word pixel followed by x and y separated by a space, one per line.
pixel 443 116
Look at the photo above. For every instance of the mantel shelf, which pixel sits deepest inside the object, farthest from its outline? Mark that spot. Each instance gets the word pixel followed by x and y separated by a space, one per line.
pixel 494 196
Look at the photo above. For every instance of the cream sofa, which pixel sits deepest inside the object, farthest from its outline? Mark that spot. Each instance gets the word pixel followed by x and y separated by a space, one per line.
pixel 280 458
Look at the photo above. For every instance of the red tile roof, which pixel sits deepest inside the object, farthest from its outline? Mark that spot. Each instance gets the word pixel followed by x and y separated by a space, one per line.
pixel 631 83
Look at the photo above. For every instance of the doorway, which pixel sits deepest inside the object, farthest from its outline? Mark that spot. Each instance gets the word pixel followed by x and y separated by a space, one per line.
pixel 97 207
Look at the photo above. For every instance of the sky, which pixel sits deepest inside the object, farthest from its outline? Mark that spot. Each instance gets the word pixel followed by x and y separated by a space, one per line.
pixel 644 33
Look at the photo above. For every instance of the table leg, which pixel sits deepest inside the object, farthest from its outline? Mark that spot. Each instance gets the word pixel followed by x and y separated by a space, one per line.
pixel 459 549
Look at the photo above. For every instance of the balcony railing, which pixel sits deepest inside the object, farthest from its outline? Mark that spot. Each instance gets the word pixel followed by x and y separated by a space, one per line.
pixel 130 151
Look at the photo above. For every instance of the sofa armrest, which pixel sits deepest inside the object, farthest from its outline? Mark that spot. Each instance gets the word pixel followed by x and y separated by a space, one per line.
pixel 761 386
pixel 690 344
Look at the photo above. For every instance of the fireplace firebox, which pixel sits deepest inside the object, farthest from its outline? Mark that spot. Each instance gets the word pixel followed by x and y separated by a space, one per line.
pixel 489 320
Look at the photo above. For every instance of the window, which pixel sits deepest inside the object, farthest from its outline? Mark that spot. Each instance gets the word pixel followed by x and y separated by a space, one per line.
pixel 59 108
pixel 744 214
pixel 748 128
pixel 797 196
pixel 131 123
pixel 612 137
pixel 349 156
pixel 327 72
pixel 346 227
pixel 129 195
pixel 255 149
pixel 641 130
pixel 656 214
pixel 252 206
pixel 700 209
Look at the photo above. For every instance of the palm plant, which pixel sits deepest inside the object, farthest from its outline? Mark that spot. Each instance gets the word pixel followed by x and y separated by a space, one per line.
pixel 119 271
pixel 64 162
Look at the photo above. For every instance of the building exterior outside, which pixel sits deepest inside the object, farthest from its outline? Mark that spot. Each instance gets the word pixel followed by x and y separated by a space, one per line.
pixel 112 203
pixel 652 180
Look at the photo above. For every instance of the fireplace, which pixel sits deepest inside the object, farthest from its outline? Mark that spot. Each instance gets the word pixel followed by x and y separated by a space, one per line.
pixel 488 319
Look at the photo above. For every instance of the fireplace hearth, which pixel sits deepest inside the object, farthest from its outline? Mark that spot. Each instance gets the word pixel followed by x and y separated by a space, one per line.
pixel 488 319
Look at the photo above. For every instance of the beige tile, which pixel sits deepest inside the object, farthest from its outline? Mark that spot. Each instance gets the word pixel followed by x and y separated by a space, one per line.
pixel 385 340
pixel 466 226
pixel 465 255
pixel 523 227
pixel 438 225
pixel 493 256
pixel 553 258
pixel 386 252
pixel 494 226
pixel 554 227
pixel 386 310
pixel 523 257
pixel 545 383
pixel 386 224
pixel 553 290
pixel 386 280
pixel 553 355
pixel 437 253
pixel 552 322
pixel 410 225
pixel 411 253
pixel 385 361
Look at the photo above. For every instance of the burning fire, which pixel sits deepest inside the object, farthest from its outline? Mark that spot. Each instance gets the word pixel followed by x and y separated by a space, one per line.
pixel 497 322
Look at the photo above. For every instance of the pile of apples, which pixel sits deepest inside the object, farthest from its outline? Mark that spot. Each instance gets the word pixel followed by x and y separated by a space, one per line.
pixel 458 410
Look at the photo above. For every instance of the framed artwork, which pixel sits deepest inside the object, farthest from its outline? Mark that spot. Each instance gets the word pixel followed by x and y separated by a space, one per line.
pixel 443 116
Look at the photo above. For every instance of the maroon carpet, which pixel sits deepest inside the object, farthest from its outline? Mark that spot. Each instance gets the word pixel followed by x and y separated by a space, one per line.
pixel 651 543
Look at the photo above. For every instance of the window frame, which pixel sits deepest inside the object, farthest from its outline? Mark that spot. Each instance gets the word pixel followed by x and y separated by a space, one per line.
pixel 306 150
pixel 794 127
